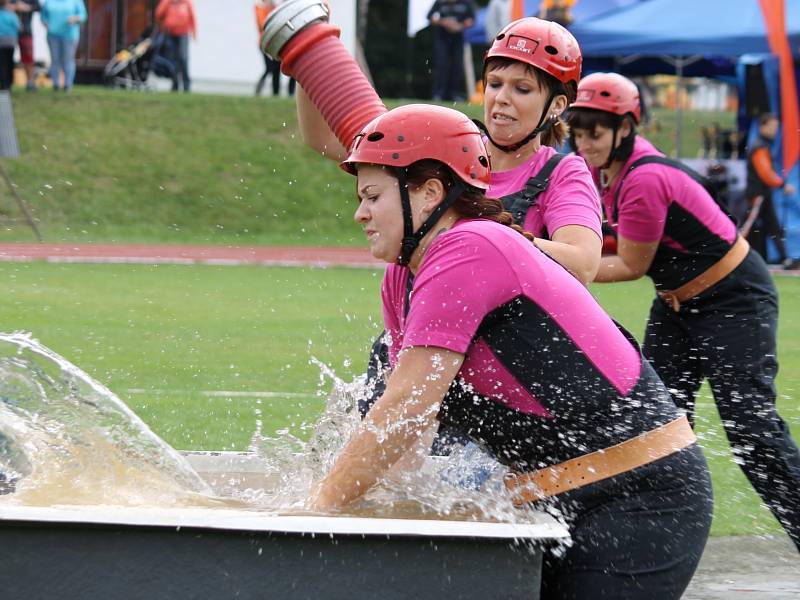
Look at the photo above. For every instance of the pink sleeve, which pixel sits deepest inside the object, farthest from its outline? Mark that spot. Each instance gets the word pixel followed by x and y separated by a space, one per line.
pixel 392 298
pixel 571 197
pixel 642 207
pixel 446 307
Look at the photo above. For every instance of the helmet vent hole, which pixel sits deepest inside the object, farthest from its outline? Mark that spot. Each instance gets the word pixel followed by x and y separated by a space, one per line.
pixel 500 36
pixel 473 175
pixel 552 50
pixel 605 94
pixel 401 138
pixel 395 155
pixel 483 161
pixel 464 149
pixel 375 136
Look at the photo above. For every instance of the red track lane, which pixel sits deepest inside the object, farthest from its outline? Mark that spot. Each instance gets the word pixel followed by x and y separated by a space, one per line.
pixel 292 256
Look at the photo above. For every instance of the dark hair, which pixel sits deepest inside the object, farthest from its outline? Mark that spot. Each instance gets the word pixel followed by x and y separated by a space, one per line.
pixel 766 118
pixel 590 118
pixel 472 204
pixel 556 135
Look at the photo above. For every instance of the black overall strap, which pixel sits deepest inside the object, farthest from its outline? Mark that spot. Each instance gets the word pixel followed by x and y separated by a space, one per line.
pixel 675 164
pixel 520 202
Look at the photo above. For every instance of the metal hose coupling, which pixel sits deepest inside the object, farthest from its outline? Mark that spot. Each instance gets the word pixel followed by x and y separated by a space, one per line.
pixel 299 35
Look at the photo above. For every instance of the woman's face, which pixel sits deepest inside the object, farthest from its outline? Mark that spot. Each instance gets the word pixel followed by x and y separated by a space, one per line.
pixel 594 146
pixel 513 103
pixel 380 211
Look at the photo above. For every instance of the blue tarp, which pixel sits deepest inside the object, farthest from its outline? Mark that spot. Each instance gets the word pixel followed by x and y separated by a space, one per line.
pixel 583 10
pixel 683 28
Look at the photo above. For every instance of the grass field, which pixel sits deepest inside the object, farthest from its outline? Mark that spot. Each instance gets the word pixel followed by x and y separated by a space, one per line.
pixel 166 338
pixel 112 166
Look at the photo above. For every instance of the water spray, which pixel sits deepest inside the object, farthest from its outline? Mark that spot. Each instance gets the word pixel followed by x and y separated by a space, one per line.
pixel 299 35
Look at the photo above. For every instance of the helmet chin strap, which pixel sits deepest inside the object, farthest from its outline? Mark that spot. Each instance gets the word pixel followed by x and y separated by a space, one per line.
pixel 614 148
pixel 540 128
pixel 411 239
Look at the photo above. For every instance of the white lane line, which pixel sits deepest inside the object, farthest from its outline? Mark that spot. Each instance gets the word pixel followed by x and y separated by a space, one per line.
pixel 224 393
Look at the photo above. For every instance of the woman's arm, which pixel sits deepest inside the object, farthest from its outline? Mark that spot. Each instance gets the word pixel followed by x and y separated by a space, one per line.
pixel 576 248
pixel 406 410
pixel 632 261
pixel 315 130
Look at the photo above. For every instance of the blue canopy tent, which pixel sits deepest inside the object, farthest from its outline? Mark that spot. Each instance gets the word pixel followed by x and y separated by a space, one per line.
pixel 683 28
pixel 582 11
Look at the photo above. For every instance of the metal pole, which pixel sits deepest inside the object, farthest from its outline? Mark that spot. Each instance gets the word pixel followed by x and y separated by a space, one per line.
pixel 678 112
pixel 20 202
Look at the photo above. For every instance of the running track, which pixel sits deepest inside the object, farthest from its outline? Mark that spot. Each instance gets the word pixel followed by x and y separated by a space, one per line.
pixel 284 256
pixel 271 256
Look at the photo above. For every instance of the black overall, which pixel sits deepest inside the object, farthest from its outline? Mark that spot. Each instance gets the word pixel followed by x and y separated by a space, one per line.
pixel 726 335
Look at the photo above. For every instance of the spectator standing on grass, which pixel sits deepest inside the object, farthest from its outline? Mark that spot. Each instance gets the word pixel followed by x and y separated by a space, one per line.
pixel 762 178
pixel 9 31
pixel 498 15
pixel 271 67
pixel 62 19
pixel 25 10
pixel 449 19
pixel 176 18
pixel 715 314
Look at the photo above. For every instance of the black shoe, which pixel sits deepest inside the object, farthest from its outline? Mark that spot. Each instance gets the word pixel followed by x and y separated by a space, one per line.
pixel 791 264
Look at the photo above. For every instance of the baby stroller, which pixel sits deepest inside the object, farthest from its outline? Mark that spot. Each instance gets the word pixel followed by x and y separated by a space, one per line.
pixel 131 66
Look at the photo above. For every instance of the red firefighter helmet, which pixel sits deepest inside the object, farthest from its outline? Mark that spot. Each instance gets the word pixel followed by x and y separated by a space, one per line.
pixel 543 44
pixel 413 132
pixel 609 92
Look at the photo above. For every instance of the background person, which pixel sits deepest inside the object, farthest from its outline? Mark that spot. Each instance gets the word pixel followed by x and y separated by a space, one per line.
pixel 559 11
pixel 9 30
pixel 25 10
pixel 498 15
pixel 271 67
pixel 449 19
pixel 488 329
pixel 762 178
pixel 63 19
pixel 715 314
pixel 177 19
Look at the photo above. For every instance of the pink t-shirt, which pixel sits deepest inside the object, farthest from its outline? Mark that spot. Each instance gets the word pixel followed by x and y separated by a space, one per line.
pixel 570 198
pixel 647 194
pixel 533 336
pixel 659 203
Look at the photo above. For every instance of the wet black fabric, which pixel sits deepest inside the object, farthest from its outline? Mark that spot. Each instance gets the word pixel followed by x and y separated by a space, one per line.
pixel 728 336
pixel 637 536
pixel 527 442
pixel 671 268
pixel 698 247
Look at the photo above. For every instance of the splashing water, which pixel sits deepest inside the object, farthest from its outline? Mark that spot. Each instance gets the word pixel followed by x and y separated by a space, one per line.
pixel 66 439
pixel 64 436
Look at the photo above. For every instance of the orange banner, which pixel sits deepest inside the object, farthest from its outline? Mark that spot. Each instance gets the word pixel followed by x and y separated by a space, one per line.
pixel 774 12
pixel 517 9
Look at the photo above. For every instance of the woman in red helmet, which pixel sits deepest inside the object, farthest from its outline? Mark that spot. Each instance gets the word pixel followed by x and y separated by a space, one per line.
pixel 530 75
pixel 716 308
pixel 493 338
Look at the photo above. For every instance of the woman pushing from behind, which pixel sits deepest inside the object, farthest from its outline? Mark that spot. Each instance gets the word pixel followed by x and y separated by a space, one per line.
pixel 715 314
pixel 537 373
pixel 531 72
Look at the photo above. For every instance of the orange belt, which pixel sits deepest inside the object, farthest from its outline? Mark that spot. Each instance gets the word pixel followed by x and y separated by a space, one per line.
pixel 602 464
pixel 715 273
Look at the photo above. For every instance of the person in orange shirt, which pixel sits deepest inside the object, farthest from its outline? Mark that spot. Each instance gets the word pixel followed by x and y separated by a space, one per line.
pixel 271 67
pixel 176 19
pixel 559 11
pixel 761 180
